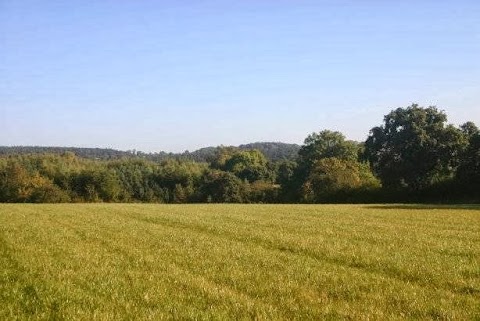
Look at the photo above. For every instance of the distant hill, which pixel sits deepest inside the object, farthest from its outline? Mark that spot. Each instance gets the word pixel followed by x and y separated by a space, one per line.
pixel 274 151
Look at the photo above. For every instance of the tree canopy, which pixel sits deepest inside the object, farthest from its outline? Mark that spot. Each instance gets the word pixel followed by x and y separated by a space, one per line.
pixel 414 147
pixel 326 144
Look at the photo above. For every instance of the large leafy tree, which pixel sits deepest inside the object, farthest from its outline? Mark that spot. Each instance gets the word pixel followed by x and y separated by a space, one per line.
pixel 222 187
pixel 332 176
pixel 250 165
pixel 327 144
pixel 414 147
pixel 317 146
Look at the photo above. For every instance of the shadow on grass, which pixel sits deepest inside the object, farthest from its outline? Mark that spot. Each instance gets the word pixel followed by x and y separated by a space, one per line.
pixel 426 207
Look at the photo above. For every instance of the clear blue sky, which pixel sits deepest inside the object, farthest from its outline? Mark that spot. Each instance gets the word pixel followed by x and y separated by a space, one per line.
pixel 176 75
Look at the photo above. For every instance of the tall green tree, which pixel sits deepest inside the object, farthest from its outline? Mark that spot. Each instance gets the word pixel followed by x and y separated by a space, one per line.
pixel 250 165
pixel 222 187
pixel 414 147
pixel 318 146
pixel 327 144
pixel 331 178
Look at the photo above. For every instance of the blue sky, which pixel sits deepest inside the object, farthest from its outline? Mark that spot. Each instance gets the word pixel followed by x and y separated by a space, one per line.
pixel 177 75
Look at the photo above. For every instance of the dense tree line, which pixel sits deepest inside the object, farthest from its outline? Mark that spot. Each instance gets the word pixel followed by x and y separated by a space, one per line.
pixel 413 156
pixel 273 151
pixel 236 176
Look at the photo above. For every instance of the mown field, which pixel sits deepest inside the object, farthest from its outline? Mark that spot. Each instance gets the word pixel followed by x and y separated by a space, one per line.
pixel 267 262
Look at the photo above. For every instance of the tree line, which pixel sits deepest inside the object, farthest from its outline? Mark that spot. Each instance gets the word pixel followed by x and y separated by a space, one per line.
pixel 273 151
pixel 413 156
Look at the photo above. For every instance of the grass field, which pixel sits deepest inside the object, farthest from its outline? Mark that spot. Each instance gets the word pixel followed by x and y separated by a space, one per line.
pixel 273 262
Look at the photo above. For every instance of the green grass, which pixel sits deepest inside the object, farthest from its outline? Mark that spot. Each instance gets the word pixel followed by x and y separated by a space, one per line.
pixel 272 262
